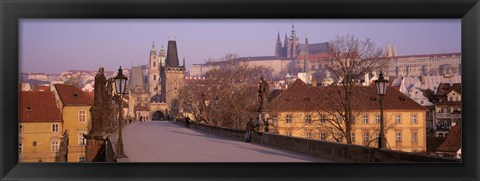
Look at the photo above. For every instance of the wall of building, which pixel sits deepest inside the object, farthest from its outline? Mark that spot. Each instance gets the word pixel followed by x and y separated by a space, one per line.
pixel 74 127
pixel 299 128
pixel 41 133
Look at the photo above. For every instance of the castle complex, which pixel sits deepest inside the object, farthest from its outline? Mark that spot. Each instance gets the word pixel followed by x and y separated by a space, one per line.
pixel 292 56
pixel 152 95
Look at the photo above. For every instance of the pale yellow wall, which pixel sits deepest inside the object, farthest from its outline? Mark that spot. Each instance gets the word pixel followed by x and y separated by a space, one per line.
pixel 41 132
pixel 72 124
pixel 299 128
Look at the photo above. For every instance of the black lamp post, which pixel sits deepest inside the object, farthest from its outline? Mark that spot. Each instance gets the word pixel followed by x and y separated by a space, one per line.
pixel 381 84
pixel 120 89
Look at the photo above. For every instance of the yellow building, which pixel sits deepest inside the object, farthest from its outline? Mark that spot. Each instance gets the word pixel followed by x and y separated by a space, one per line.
pixel 40 127
pixel 75 106
pixel 314 113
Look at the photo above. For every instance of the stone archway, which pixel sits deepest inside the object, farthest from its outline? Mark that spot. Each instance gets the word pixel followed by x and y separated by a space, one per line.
pixel 158 116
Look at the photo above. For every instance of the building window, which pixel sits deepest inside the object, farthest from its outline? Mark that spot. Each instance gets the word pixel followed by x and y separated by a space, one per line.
pixel 365 119
pixel 398 118
pixel 34 143
pixel 81 159
pixel 414 119
pixel 20 148
pixel 288 118
pixel 322 119
pixel 308 118
pixel 377 118
pixel 323 136
pixel 398 137
pixel 289 133
pixel 82 141
pixel 308 135
pixel 154 63
pixel 154 77
pixel 421 102
pixel 339 119
pixel 20 128
pixel 275 119
pixel 340 137
pixel 54 128
pixel 55 146
pixel 414 137
pixel 82 116
pixel 353 137
pixel 366 137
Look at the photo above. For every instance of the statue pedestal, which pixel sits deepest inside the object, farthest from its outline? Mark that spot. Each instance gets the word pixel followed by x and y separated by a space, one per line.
pixel 94 147
pixel 101 124
pixel 102 118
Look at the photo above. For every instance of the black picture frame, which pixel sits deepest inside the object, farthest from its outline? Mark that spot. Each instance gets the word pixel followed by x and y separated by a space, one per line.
pixel 11 11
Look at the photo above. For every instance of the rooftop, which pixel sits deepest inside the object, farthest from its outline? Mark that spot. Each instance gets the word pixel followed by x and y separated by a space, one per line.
pixel 38 106
pixel 300 97
pixel 453 141
pixel 71 95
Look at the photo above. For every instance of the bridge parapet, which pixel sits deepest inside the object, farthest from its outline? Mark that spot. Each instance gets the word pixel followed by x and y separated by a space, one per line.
pixel 329 150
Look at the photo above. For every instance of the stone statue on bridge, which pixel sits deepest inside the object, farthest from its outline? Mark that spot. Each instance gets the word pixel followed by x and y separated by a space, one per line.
pixel 262 94
pixel 100 93
pixel 102 115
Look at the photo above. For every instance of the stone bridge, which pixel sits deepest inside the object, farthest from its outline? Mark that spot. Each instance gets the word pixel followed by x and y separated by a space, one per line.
pixel 164 141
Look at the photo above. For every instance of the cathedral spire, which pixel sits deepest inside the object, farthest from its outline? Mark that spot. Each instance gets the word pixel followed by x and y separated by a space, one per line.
pixel 278 37
pixel 153 50
pixel 293 30
pixel 394 50
pixel 305 61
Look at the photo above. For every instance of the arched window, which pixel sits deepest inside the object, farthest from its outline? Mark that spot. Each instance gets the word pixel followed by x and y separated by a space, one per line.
pixel 440 135
pixel 154 77
pixel 154 64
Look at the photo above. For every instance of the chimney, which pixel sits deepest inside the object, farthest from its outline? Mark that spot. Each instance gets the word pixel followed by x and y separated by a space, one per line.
pixel 367 80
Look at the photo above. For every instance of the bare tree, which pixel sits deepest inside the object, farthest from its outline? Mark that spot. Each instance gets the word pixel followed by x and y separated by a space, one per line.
pixel 227 96
pixel 351 59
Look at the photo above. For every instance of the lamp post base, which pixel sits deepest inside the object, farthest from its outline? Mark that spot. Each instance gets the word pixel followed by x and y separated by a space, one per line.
pixel 120 151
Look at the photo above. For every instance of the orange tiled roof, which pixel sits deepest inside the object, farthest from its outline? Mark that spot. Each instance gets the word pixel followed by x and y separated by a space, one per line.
pixel 300 97
pixel 453 141
pixel 38 106
pixel 71 95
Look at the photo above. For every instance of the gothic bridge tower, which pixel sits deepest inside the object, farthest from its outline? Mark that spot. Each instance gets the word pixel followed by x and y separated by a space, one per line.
pixel 172 76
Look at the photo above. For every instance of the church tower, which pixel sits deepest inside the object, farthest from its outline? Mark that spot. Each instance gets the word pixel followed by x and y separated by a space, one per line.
pixel 172 75
pixel 293 44
pixel 278 47
pixel 390 51
pixel 153 72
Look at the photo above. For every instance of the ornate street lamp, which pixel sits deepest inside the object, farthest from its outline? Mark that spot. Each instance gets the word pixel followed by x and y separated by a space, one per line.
pixel 120 89
pixel 381 84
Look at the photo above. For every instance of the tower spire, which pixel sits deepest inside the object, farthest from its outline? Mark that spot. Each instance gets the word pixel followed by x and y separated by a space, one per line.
pixel 278 36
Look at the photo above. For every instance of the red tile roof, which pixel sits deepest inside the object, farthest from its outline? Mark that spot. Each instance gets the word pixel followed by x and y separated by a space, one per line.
pixel 71 95
pixel 300 97
pixel 453 141
pixel 41 88
pixel 38 106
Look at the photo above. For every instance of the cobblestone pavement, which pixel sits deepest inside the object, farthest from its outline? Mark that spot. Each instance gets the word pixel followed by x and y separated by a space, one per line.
pixel 161 141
